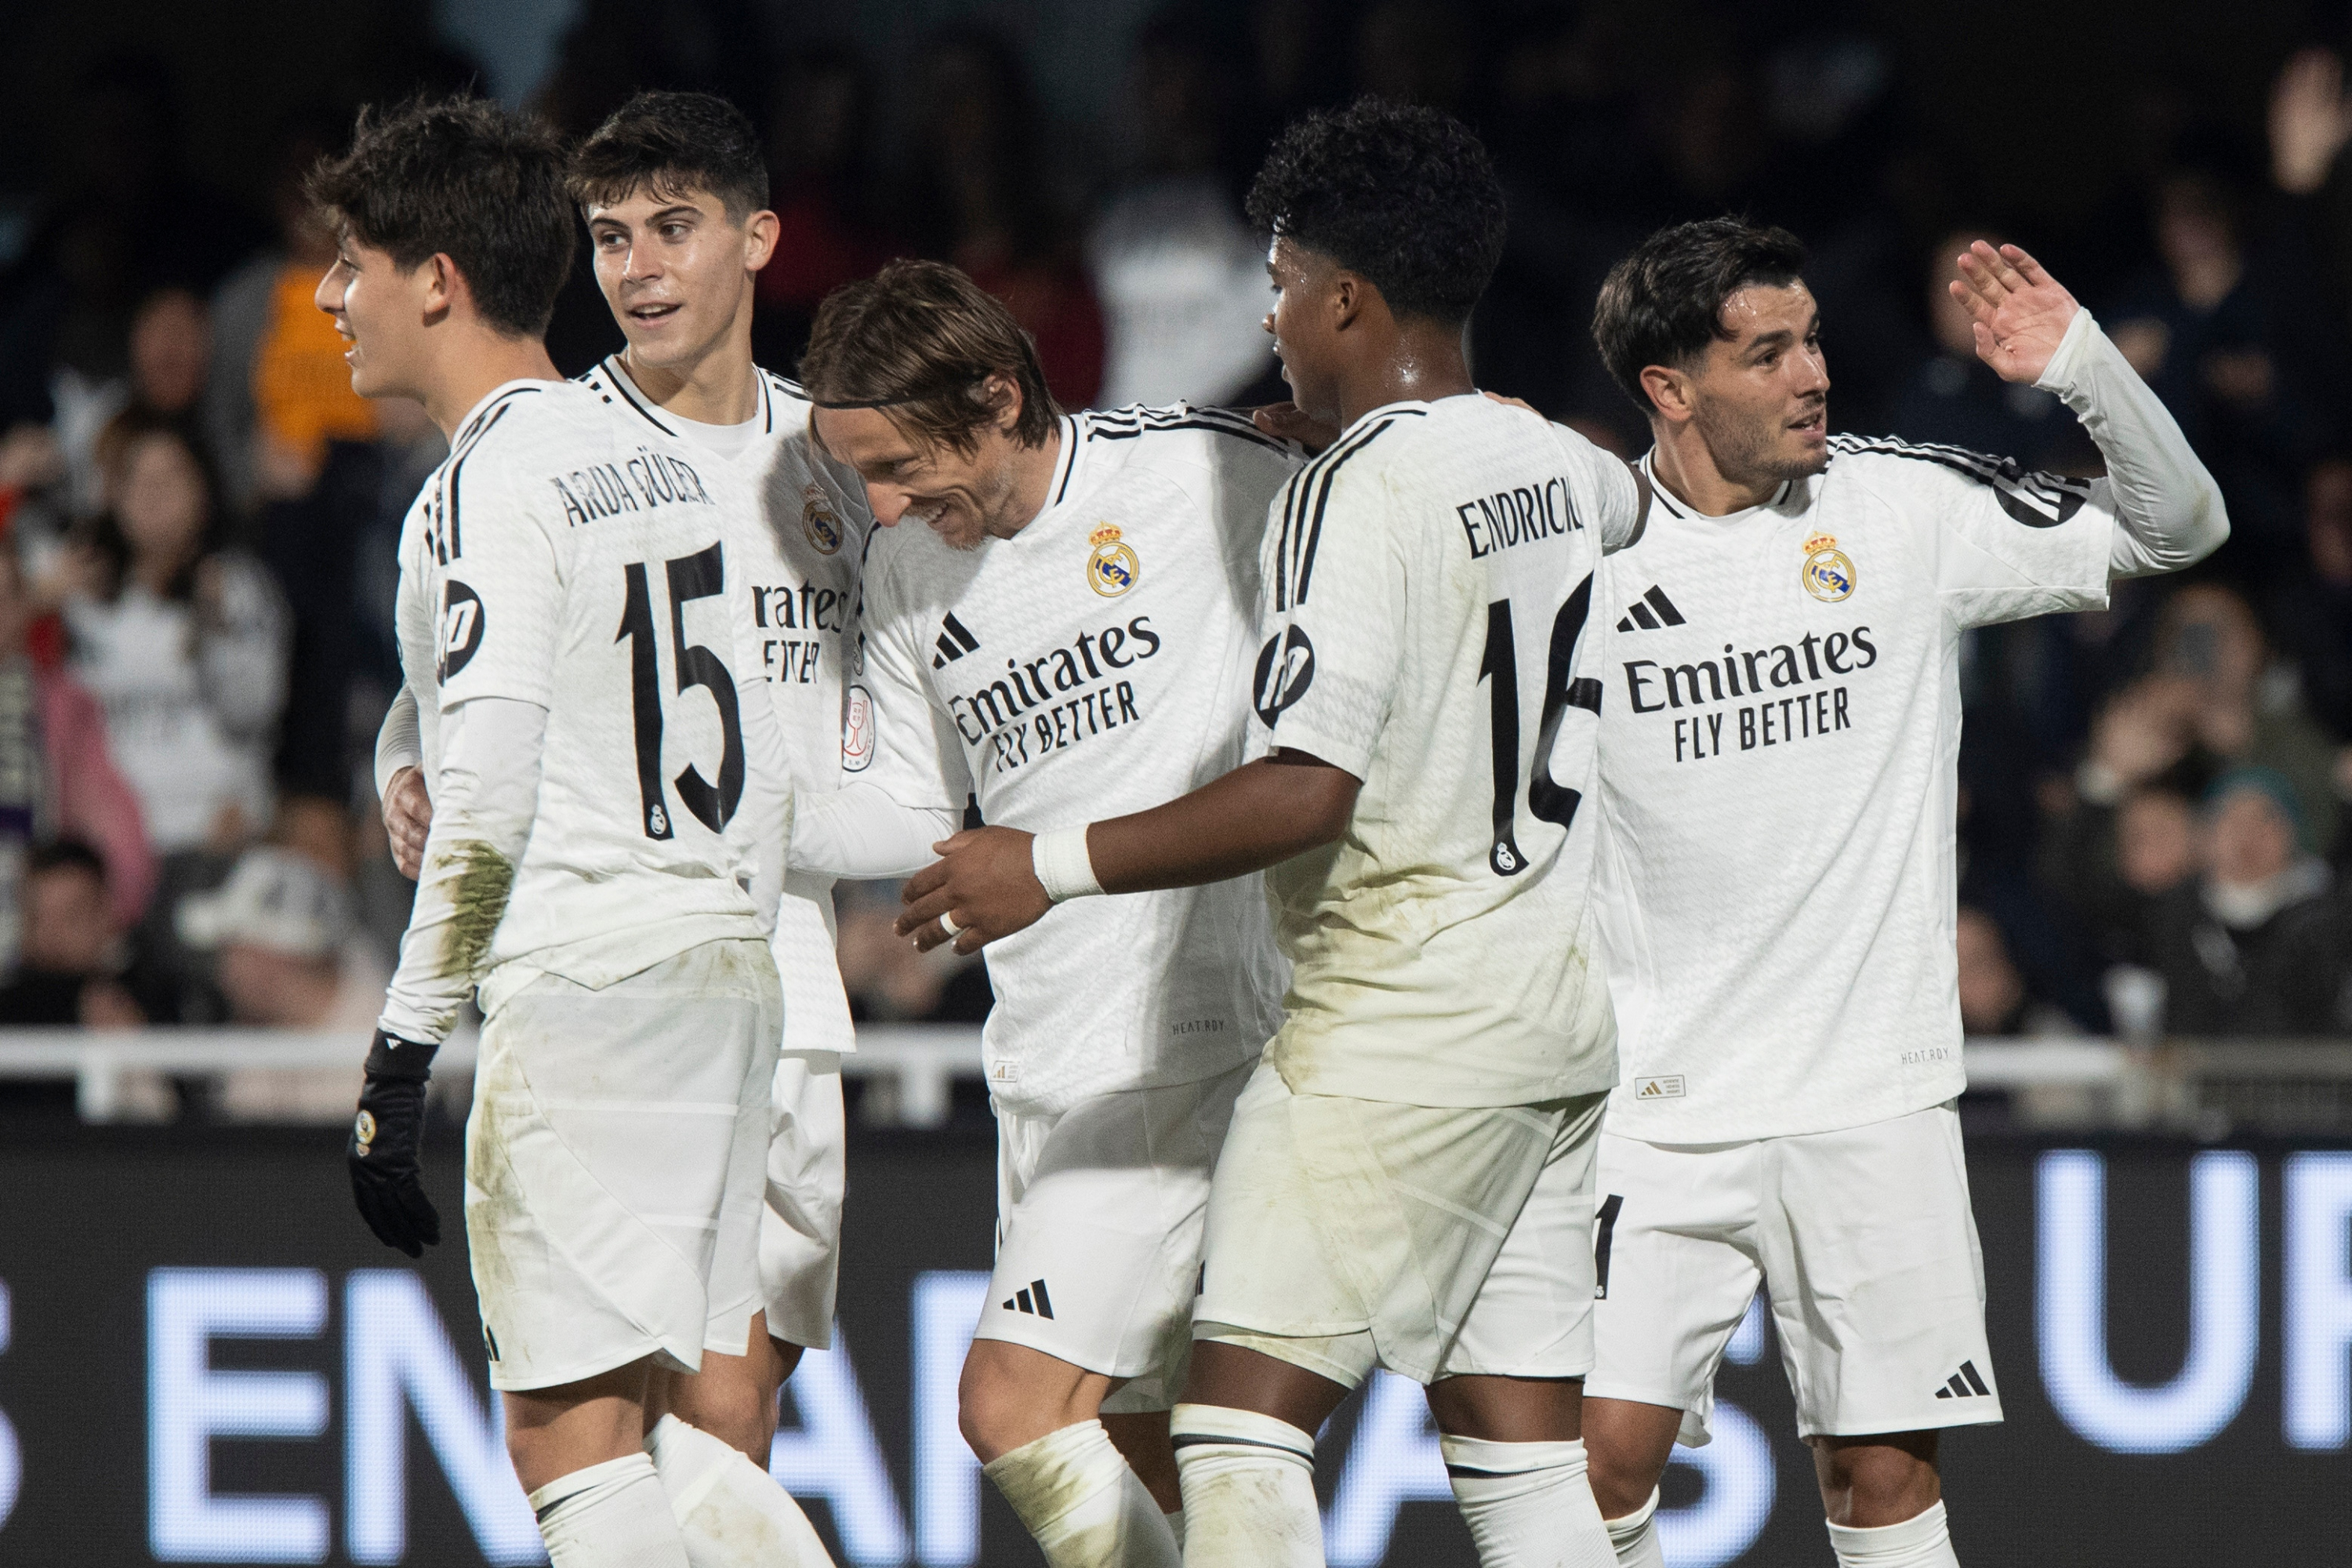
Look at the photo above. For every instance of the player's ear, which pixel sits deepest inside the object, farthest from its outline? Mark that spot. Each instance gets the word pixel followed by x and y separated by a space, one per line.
pixel 760 231
pixel 1669 392
pixel 1002 395
pixel 1349 295
pixel 439 286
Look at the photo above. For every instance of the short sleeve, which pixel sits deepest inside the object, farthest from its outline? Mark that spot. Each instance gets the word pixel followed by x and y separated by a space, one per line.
pixel 495 626
pixel 1333 596
pixel 1607 489
pixel 2005 544
pixel 892 735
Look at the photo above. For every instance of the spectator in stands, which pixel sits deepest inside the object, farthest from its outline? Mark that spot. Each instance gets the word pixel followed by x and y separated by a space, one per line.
pixel 183 641
pixel 820 188
pixel 71 955
pixel 57 776
pixel 282 933
pixel 1181 278
pixel 887 980
pixel 279 391
pixel 171 350
pixel 2261 944
pixel 981 188
pixel 2311 611
pixel 2214 700
pixel 2112 864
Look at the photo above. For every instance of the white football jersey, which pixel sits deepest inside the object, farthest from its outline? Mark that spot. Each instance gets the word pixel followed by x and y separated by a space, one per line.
pixel 1426 583
pixel 1779 749
pixel 796 591
pixel 1094 664
pixel 567 555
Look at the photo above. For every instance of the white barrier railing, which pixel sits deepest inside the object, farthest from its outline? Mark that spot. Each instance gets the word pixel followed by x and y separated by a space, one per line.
pixel 911 1070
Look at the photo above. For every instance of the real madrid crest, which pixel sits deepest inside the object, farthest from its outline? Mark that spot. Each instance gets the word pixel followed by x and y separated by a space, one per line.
pixel 1829 574
pixel 819 522
pixel 1111 565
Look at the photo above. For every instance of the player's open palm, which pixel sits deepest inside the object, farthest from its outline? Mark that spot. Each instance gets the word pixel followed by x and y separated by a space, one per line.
pixel 2019 312
pixel 984 884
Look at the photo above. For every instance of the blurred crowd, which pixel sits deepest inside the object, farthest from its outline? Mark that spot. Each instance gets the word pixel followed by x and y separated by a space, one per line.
pixel 197 518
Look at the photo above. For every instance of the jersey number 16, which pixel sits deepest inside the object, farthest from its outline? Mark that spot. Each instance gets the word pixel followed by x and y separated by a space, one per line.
pixel 701 575
pixel 1549 800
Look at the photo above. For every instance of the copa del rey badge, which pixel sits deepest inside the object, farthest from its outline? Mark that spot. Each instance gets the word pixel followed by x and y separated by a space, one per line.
pixel 1828 574
pixel 1111 565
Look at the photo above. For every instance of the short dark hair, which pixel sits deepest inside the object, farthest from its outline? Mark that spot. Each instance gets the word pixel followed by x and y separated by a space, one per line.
pixel 464 178
pixel 1403 196
pixel 1664 304
pixel 64 854
pixel 667 144
pixel 918 340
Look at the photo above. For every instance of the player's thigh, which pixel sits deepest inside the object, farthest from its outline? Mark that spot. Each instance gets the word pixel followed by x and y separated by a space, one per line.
pixel 800 1225
pixel 1676 1267
pixel 1101 1213
pixel 1877 1279
pixel 605 1160
pixel 1347 1233
pixel 1532 1315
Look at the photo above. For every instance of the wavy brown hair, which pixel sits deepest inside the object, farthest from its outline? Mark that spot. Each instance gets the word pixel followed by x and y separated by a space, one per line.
pixel 921 341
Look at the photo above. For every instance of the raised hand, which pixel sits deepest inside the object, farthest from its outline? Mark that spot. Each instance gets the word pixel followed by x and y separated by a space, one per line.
pixel 2018 311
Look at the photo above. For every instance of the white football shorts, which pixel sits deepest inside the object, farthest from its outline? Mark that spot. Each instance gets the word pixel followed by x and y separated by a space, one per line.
pixel 613 1163
pixel 1346 1233
pixel 799 1227
pixel 1864 1240
pixel 1098 1214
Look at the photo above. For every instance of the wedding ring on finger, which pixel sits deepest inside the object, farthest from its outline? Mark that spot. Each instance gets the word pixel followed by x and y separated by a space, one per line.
pixel 947 924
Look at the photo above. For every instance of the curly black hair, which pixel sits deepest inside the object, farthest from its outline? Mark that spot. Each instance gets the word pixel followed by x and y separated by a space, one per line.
pixel 464 178
pixel 1664 304
pixel 669 143
pixel 1403 196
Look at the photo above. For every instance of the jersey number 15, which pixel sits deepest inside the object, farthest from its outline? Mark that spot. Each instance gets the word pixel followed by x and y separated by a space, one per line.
pixel 701 575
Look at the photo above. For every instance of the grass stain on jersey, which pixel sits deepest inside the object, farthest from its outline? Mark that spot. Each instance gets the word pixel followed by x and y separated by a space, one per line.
pixel 477 901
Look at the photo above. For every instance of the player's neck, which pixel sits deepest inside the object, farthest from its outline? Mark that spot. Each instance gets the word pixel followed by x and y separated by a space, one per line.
pixel 1032 471
pixel 1681 462
pixel 719 387
pixel 1417 361
pixel 477 365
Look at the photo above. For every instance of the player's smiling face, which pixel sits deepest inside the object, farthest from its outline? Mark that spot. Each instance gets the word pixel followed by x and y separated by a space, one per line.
pixel 1760 397
pixel 963 497
pixel 378 309
pixel 676 270
pixel 1303 326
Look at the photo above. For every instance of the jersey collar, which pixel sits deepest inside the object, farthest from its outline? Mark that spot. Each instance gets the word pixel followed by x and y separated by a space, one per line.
pixel 477 417
pixel 1667 502
pixel 635 396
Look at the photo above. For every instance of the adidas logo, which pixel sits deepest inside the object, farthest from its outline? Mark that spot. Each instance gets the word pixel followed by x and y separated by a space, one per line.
pixel 1972 1388
pixel 955 641
pixel 1639 616
pixel 1032 1300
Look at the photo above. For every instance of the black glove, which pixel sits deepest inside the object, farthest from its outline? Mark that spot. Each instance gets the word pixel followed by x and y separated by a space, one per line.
pixel 385 1139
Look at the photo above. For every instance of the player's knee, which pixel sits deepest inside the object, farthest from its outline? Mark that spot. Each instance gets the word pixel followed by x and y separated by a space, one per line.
pixel 1621 1483
pixel 1881 1481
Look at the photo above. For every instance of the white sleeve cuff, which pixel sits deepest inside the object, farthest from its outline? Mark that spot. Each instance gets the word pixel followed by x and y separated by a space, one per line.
pixel 1064 869
pixel 399 742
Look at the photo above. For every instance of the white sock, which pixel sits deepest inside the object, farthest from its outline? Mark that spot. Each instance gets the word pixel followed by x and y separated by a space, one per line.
pixel 1923 1540
pixel 1249 1489
pixel 1083 1502
pixel 1176 1528
pixel 1636 1536
pixel 611 1515
pixel 732 1514
pixel 1528 1505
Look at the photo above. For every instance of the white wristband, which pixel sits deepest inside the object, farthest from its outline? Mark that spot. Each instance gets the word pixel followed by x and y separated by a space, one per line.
pixel 1064 868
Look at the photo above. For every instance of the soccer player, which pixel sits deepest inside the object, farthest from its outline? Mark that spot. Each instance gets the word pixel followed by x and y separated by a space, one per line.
pixel 1408 1179
pixel 675 192
pixel 1059 616
pixel 603 786
pixel 1778 781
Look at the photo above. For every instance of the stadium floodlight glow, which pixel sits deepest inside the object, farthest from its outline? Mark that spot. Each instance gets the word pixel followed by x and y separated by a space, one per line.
pixel 397 1356
pixel 189 1404
pixel 946 1307
pixel 2224 1305
pixel 1737 1466
pixel 1392 1459
pixel 2317 1406
pixel 832 1455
